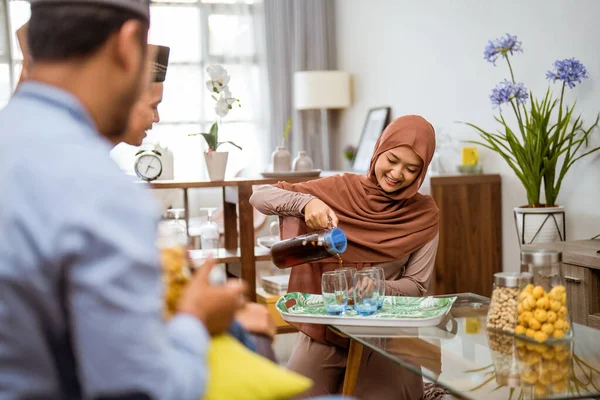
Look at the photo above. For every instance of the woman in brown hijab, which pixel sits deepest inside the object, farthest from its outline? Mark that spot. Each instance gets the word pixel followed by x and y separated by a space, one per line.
pixel 388 223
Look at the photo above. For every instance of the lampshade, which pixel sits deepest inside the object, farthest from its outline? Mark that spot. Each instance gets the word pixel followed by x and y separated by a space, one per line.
pixel 321 90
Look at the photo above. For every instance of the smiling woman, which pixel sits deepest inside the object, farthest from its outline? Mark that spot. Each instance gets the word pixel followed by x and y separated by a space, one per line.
pixel 387 223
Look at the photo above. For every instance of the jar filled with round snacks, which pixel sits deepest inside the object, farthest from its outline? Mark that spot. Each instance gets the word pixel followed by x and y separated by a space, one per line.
pixel 503 355
pixel 543 313
pixel 502 314
pixel 173 243
pixel 544 369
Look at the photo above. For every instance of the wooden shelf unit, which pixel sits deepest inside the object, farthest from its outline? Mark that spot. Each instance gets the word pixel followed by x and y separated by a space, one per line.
pixel 223 256
pixel 240 253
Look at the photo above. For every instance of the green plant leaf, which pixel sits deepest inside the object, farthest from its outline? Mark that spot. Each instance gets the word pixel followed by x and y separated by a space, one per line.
pixel 211 141
pixel 228 142
pixel 286 131
pixel 214 131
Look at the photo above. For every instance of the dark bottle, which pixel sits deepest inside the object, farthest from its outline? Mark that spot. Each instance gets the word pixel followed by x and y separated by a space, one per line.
pixel 308 248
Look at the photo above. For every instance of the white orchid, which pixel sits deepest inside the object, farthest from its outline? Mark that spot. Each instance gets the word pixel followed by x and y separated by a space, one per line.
pixel 222 107
pixel 224 101
pixel 219 79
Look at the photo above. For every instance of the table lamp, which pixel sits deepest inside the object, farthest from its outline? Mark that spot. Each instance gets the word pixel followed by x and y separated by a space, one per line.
pixel 322 90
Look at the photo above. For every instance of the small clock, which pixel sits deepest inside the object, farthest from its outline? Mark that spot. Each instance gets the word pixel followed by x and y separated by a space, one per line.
pixel 148 165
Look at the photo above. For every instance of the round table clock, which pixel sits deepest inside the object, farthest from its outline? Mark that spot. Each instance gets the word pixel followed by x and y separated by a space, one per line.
pixel 148 165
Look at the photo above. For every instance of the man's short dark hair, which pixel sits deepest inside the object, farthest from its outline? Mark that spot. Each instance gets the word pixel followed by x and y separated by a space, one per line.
pixel 60 32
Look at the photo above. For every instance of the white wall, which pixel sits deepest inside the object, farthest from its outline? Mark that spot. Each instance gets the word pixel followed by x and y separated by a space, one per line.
pixel 426 57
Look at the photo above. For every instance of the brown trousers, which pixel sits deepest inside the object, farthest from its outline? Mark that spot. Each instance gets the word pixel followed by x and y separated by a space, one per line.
pixel 378 379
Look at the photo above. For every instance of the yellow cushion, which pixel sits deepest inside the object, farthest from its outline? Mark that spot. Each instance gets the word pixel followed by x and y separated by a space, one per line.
pixel 236 373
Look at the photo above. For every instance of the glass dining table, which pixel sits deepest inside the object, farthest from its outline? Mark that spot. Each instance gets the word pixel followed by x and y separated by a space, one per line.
pixel 471 362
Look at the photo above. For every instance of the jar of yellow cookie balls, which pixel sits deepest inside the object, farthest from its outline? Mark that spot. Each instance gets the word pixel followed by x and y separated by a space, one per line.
pixel 544 369
pixel 543 305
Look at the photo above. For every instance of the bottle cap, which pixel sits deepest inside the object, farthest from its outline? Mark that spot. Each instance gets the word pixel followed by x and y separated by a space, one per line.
pixel 540 256
pixel 336 241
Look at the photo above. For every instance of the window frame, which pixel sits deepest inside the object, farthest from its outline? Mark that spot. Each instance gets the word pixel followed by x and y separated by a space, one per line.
pixel 205 9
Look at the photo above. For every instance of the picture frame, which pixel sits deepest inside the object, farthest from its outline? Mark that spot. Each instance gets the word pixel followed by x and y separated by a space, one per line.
pixel 377 119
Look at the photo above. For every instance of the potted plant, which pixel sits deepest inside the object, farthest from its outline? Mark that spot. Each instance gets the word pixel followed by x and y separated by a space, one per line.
pixel 349 154
pixel 218 85
pixel 543 144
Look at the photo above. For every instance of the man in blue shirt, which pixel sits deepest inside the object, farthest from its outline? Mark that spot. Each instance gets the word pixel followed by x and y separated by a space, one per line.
pixel 80 288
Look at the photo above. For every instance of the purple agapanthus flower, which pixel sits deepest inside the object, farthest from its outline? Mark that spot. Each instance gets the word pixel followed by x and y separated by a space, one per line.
pixel 501 47
pixel 506 91
pixel 569 71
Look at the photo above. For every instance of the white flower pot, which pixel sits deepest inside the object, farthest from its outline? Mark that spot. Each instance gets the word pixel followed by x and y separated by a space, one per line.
pixel 540 225
pixel 216 163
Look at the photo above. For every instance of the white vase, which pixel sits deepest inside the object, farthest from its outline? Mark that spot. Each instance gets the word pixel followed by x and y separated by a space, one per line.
pixel 540 224
pixel 282 160
pixel 302 163
pixel 216 163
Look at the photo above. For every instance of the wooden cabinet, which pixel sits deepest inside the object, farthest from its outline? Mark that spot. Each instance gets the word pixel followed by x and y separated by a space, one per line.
pixel 577 283
pixel 470 245
pixel 581 270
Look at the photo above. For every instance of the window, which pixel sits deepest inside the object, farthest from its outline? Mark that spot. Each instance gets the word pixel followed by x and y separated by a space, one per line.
pixel 199 33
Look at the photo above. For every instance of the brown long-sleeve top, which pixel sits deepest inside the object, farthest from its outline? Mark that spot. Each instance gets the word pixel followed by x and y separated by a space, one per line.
pixel 408 276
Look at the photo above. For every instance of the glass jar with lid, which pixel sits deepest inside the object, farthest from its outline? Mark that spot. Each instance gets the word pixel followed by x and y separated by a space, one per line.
pixel 173 243
pixel 502 314
pixel 543 304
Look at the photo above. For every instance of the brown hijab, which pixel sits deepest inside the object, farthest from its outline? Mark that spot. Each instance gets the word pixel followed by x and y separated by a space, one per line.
pixel 380 226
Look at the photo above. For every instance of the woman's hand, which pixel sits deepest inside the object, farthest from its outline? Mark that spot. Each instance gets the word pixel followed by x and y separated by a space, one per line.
pixel 255 318
pixel 318 215
pixel 366 286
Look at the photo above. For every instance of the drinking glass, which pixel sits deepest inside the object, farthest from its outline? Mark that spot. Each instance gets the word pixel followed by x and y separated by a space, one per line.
pixel 335 292
pixel 349 273
pixel 381 273
pixel 367 283
pixel 175 223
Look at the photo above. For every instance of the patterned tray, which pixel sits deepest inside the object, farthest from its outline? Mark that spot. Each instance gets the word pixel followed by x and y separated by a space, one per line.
pixel 396 311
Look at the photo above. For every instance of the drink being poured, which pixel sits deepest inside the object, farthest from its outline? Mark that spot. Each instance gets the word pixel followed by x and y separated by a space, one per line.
pixel 309 248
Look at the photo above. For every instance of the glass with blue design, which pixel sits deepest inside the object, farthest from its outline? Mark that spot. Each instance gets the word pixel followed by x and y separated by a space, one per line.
pixel 381 273
pixel 367 283
pixel 335 292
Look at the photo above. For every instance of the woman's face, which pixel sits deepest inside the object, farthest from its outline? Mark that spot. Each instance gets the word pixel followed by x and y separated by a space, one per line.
pixel 397 168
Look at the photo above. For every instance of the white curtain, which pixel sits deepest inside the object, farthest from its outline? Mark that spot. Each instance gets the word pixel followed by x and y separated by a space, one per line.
pixel 4 33
pixel 300 36
pixel 5 55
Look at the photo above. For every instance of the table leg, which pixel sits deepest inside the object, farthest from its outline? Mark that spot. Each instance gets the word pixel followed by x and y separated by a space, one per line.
pixel 187 211
pixel 352 367
pixel 247 238
pixel 230 216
